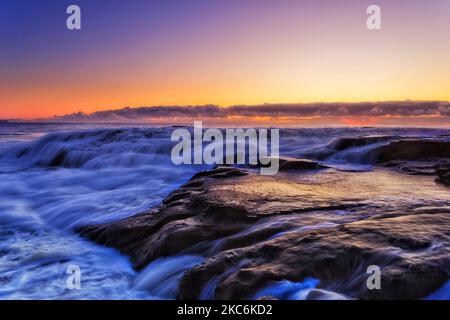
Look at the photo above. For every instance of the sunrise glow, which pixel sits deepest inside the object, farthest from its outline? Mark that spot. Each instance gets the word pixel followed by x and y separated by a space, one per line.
pixel 223 53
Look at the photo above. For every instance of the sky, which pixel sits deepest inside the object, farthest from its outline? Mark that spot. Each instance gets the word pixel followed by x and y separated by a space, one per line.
pixel 223 52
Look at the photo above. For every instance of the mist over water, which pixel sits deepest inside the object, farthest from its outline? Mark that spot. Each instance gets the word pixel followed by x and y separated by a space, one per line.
pixel 55 178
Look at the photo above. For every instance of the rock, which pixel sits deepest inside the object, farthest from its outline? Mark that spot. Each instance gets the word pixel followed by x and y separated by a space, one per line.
pixel 185 218
pixel 412 149
pixel 419 157
pixel 411 269
pixel 205 209
pixel 253 230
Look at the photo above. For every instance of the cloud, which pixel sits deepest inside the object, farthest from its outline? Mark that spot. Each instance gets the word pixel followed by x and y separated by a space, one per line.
pixel 272 111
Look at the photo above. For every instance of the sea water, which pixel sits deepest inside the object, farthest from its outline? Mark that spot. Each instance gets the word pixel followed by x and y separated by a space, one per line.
pixel 56 178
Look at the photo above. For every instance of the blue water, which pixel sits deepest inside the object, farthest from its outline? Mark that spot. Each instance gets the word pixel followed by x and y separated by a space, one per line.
pixel 288 290
pixel 107 174
pixel 441 294
pixel 162 276
pixel 55 178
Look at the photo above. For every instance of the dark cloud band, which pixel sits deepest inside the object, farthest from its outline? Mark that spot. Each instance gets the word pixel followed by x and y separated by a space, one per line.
pixel 364 109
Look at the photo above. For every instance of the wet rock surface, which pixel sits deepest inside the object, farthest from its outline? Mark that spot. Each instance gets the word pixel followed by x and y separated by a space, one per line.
pixel 254 231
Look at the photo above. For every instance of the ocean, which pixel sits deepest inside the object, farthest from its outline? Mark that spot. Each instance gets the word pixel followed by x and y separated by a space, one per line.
pixel 56 178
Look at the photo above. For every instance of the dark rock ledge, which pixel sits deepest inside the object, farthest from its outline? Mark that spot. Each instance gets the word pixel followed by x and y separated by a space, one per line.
pixel 417 156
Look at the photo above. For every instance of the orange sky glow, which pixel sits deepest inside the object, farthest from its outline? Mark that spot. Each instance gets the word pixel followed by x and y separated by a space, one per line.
pixel 266 52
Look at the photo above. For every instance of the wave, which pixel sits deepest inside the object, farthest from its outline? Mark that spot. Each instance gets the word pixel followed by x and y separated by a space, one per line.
pixel 52 185
pixel 91 176
pixel 94 149
pixel 131 147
